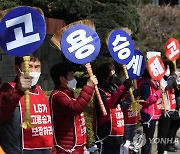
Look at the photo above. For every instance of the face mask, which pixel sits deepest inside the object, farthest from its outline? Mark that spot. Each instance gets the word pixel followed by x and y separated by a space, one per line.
pixel 122 79
pixel 167 73
pixel 72 84
pixel 35 78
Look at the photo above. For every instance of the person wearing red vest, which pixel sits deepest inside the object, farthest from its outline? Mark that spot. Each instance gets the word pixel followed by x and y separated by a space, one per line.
pixel 67 111
pixel 109 129
pixel 151 108
pixel 166 119
pixel 15 139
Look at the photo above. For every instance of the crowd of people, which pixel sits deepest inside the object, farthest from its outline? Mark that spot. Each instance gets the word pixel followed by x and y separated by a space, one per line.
pixel 59 124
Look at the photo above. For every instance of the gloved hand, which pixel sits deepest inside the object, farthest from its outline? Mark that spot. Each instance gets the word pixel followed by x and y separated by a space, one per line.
pixel 136 93
pixel 128 83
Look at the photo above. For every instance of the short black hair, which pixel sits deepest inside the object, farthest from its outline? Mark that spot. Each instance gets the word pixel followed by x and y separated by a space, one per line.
pixel 146 74
pixel 60 69
pixel 102 71
pixel 33 57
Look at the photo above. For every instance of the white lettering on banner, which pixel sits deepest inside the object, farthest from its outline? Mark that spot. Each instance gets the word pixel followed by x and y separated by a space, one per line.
pixel 40 108
pixel 83 131
pixel 136 64
pixel 80 42
pixel 42 131
pixel 38 119
pixel 20 40
pixel 120 123
pixel 156 67
pixel 132 114
pixel 119 115
pixel 123 52
pixel 173 49
pixel 82 121
pixel 118 108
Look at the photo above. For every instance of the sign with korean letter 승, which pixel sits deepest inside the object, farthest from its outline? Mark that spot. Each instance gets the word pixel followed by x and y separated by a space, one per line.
pixel 156 68
pixel 121 46
pixel 80 44
pixel 22 31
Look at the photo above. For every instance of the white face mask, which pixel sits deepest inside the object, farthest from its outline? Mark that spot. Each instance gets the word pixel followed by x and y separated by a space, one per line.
pixel 35 78
pixel 72 84
pixel 167 73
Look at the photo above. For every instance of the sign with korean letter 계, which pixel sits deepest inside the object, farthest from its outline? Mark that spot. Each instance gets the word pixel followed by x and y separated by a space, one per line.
pixel 156 68
pixel 22 31
pixel 121 46
pixel 80 44
pixel 137 65
pixel 172 49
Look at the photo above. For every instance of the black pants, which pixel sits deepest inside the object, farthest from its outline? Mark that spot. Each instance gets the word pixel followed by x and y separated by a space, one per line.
pixel 163 130
pixel 175 124
pixel 149 132
pixel 105 149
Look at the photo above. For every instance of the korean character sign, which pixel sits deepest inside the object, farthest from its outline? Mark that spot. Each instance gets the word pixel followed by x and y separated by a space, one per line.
pixel 172 51
pixel 121 48
pixel 137 65
pixel 22 31
pixel 157 70
pixel 80 44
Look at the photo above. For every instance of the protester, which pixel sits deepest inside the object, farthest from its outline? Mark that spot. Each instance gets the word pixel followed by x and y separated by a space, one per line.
pixel 16 140
pixel 109 129
pixel 151 108
pixel 67 111
pixel 175 124
pixel 167 117
pixel 130 117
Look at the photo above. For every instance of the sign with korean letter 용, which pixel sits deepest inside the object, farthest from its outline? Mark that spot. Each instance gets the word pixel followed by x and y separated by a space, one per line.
pixel 172 49
pixel 137 65
pixel 121 46
pixel 80 44
pixel 22 31
pixel 156 68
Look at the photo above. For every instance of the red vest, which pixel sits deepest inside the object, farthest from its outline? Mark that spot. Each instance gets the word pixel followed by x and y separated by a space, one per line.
pixel 116 118
pixel 79 125
pixel 130 117
pixel 171 98
pixel 41 136
pixel 157 106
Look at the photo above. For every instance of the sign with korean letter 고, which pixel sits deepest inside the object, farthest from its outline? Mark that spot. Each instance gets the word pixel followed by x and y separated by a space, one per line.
pixel 156 68
pixel 22 31
pixel 80 44
pixel 172 49
pixel 137 65
pixel 121 46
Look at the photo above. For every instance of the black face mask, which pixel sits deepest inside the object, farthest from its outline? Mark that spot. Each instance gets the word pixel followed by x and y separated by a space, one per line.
pixel 111 78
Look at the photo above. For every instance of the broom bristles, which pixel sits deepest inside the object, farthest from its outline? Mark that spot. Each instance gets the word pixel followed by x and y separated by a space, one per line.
pixel 4 12
pixel 127 30
pixel 55 40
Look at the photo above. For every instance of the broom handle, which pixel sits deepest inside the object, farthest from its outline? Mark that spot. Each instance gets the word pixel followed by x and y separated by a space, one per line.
pixel 101 104
pixel 127 77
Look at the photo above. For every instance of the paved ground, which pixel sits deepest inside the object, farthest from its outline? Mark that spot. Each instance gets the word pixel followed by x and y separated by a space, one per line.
pixel 154 146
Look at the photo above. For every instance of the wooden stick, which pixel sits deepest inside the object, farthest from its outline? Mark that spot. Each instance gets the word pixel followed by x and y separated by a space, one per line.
pixel 101 104
pixel 27 119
